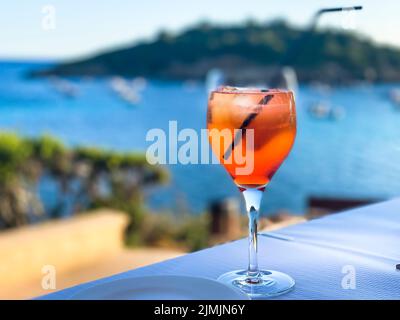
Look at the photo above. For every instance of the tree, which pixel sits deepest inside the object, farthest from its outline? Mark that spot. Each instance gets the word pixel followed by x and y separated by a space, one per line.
pixel 85 177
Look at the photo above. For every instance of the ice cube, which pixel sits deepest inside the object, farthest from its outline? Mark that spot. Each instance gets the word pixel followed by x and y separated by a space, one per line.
pixel 243 101
pixel 227 89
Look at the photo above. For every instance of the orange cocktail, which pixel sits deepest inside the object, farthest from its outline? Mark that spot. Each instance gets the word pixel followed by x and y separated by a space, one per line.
pixel 251 131
pixel 272 118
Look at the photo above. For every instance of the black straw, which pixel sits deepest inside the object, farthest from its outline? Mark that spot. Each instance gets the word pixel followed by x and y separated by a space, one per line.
pixel 245 124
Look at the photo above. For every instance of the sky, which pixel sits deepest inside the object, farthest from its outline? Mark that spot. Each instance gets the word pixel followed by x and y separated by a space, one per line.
pixel 67 29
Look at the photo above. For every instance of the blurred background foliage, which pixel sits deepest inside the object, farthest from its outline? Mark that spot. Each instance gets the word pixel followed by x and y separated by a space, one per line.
pixel 87 178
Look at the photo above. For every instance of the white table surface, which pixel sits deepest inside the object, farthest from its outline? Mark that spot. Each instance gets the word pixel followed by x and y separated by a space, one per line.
pixel 320 255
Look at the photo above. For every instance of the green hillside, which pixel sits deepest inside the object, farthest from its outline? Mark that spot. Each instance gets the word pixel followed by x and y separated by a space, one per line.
pixel 246 52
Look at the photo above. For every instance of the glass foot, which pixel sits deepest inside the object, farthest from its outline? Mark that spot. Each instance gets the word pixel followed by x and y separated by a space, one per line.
pixel 270 283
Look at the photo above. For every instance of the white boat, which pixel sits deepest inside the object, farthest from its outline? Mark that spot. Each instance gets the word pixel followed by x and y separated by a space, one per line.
pixel 66 88
pixel 214 78
pixel 394 96
pixel 129 90
pixel 321 110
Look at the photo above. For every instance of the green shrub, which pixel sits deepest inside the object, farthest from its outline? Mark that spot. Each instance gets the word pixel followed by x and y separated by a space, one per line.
pixel 123 176
pixel 24 161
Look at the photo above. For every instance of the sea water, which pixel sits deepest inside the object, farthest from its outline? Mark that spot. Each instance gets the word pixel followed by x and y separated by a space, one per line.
pixel 352 151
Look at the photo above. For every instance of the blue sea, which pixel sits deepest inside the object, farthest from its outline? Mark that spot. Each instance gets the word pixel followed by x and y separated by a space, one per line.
pixel 355 154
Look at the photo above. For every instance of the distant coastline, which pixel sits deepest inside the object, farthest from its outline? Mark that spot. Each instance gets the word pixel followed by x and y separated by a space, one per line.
pixel 245 53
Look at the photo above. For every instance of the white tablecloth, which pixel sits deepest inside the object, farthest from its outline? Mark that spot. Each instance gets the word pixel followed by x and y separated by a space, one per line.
pixel 349 255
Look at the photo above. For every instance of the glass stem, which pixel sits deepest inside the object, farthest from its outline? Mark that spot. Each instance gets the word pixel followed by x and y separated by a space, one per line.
pixel 253 199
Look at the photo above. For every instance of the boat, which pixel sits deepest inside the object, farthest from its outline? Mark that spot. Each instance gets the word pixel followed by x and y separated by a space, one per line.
pixel 128 90
pixel 394 96
pixel 321 110
pixel 66 88
pixel 215 77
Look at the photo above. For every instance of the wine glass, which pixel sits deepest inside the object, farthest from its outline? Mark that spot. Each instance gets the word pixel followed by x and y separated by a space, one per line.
pixel 251 132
